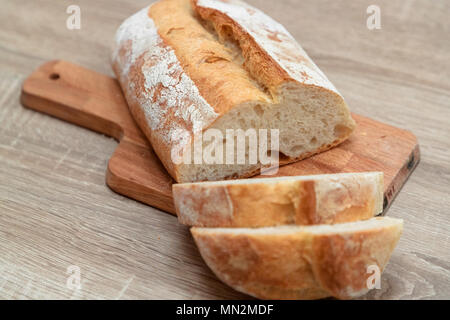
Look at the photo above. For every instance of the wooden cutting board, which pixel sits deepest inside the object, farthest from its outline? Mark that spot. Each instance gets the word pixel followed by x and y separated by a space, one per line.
pixel 95 101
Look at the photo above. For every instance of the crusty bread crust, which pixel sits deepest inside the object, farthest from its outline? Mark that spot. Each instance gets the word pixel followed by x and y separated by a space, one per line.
pixel 322 199
pixel 271 54
pixel 162 98
pixel 182 68
pixel 308 262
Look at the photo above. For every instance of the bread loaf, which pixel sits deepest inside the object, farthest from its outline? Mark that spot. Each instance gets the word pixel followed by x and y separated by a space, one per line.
pixel 300 262
pixel 186 68
pixel 303 200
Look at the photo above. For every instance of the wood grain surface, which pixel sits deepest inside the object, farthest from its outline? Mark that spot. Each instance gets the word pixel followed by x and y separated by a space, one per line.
pixel 56 212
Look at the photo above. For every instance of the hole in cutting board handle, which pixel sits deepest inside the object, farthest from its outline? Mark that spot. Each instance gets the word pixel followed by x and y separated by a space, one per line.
pixel 54 76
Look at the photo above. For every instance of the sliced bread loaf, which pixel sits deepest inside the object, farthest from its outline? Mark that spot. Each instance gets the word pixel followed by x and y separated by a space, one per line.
pixel 189 68
pixel 300 262
pixel 302 200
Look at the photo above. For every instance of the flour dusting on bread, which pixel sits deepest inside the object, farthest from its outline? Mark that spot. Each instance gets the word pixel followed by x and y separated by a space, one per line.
pixel 180 79
pixel 274 39
pixel 300 200
pixel 166 89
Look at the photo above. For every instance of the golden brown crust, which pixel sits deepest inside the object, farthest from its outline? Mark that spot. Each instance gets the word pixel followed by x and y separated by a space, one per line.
pixel 302 263
pixel 341 262
pixel 220 80
pixel 271 54
pixel 180 80
pixel 262 65
pixel 323 199
pixel 138 114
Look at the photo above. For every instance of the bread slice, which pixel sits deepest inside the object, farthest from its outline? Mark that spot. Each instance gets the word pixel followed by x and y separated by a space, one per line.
pixel 302 200
pixel 186 69
pixel 300 262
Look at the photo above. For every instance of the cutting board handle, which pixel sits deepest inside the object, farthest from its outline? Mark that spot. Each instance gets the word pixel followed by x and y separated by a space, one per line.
pixel 81 96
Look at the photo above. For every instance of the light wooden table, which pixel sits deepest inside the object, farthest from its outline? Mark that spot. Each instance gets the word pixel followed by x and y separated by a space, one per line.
pixel 56 212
